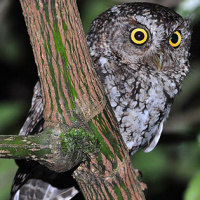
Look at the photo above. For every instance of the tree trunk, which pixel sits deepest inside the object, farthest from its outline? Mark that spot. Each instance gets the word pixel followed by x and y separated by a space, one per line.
pixel 73 98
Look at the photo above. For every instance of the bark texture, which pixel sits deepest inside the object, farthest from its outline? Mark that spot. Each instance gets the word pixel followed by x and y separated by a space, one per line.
pixel 70 89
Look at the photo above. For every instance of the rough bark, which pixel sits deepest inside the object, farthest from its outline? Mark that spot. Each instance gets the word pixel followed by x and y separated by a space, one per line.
pixel 70 89
pixel 73 98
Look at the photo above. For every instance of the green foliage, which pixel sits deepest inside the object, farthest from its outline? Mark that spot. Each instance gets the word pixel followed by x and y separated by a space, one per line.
pixel 190 9
pixel 92 9
pixel 7 172
pixel 10 113
pixel 175 163
pixel 149 163
pixel 193 190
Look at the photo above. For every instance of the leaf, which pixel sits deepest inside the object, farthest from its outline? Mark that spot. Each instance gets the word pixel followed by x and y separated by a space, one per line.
pixel 193 190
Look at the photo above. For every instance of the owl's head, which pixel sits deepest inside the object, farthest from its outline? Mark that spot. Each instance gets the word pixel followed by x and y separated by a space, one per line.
pixel 142 36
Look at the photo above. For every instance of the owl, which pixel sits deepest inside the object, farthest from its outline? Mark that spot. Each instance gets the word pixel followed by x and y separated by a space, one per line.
pixel 140 52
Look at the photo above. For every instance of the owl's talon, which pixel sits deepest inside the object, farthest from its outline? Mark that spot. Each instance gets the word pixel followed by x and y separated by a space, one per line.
pixel 139 174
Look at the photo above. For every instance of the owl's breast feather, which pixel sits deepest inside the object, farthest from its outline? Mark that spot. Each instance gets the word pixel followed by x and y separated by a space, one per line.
pixel 140 107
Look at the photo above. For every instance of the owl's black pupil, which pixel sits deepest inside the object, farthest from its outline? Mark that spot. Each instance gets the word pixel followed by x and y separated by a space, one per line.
pixel 139 35
pixel 174 38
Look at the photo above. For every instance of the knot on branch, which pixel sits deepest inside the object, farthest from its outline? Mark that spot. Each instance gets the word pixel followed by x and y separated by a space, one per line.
pixel 68 148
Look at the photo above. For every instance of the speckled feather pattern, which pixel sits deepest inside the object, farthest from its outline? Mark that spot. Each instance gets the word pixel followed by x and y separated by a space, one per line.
pixel 140 95
pixel 34 121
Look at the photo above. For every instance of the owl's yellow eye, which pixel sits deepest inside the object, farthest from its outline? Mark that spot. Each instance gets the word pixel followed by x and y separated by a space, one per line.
pixel 139 36
pixel 175 39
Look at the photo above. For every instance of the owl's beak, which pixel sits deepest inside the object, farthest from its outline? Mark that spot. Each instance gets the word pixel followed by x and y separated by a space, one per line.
pixel 159 60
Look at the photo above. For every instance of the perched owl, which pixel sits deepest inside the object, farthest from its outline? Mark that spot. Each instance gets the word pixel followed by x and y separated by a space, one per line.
pixel 140 52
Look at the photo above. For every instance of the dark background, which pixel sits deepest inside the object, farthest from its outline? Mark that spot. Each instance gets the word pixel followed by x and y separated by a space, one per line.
pixel 172 170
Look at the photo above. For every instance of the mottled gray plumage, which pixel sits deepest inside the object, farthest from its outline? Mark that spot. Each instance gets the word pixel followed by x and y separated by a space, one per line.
pixel 140 95
pixel 140 81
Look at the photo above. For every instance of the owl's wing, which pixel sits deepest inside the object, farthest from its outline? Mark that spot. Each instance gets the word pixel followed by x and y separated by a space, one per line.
pixel 36 182
pixel 34 121
pixel 44 191
pixel 155 140
pixel 33 180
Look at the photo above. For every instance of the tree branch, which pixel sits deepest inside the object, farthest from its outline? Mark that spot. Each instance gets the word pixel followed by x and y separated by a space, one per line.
pixel 53 148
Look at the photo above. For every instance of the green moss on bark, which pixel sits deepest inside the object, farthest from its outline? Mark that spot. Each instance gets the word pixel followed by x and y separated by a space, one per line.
pixel 78 139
